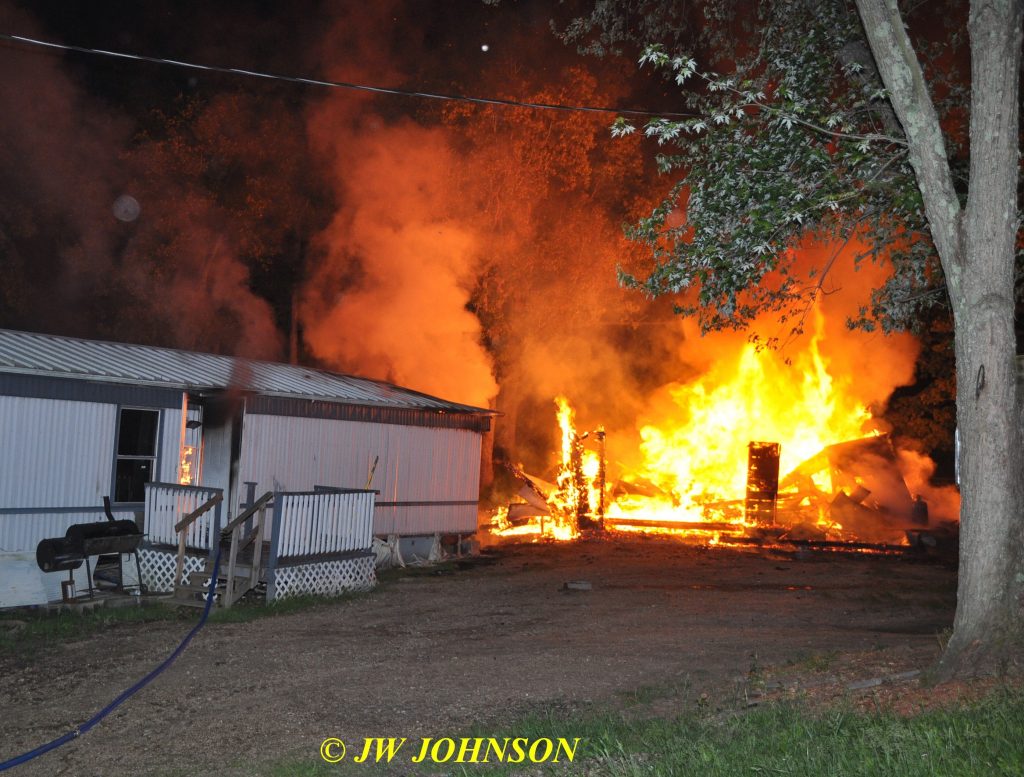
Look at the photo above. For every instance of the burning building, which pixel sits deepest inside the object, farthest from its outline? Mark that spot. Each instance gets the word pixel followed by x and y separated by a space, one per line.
pixel 761 446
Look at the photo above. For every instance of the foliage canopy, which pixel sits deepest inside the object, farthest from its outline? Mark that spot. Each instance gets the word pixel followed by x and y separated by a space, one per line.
pixel 791 139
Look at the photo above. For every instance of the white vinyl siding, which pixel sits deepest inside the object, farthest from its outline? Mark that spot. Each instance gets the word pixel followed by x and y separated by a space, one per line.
pixel 415 464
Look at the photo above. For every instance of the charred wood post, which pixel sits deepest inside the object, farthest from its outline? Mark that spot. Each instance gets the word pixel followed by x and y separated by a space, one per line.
pixel 579 500
pixel 762 482
pixel 601 474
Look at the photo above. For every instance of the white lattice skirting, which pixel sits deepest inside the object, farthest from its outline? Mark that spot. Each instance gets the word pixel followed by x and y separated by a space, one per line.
pixel 325 578
pixel 159 566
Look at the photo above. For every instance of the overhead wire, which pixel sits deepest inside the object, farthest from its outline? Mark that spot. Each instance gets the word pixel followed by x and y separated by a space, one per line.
pixel 319 82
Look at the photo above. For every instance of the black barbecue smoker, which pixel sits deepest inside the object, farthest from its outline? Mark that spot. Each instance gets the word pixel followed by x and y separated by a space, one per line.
pixel 82 540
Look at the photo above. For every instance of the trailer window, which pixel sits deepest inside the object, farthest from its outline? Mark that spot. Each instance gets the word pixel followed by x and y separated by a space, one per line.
pixel 136 453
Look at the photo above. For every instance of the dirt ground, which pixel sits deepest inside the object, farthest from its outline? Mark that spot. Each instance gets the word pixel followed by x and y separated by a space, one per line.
pixel 665 624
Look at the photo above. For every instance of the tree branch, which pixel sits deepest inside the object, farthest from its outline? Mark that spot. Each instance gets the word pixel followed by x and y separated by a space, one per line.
pixel 903 78
pixel 831 133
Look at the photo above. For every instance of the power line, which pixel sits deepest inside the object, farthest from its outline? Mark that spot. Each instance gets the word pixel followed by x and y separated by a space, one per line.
pixel 338 84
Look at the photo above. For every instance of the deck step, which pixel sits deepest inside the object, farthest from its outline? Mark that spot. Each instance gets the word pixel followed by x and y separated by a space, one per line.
pixel 194 592
pixel 194 588
pixel 203 579
pixel 227 590
pixel 192 596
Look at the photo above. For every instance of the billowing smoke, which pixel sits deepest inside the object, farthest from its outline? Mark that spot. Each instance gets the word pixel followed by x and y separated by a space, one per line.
pixel 860 368
pixel 917 469
pixel 73 263
pixel 390 300
pixel 476 247
pixel 58 155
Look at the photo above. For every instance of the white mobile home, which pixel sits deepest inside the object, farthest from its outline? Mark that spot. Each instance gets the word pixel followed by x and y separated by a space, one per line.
pixel 83 419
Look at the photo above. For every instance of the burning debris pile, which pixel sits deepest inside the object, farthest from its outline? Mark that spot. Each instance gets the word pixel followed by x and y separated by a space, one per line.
pixel 850 492
pixel 828 474
pixel 853 491
pixel 575 502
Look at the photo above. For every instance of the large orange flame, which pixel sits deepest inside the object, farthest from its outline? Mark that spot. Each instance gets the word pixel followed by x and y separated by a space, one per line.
pixel 692 473
pixel 699 455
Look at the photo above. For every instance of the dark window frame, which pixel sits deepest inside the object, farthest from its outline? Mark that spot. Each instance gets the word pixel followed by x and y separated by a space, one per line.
pixel 154 459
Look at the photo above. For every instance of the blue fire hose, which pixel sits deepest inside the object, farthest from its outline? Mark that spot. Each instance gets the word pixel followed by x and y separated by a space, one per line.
pixel 125 695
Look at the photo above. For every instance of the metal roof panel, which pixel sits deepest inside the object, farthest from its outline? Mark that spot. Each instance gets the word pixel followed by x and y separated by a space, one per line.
pixel 32 353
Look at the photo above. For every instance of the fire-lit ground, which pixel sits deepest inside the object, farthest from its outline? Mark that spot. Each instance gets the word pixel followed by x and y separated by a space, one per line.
pixel 436 654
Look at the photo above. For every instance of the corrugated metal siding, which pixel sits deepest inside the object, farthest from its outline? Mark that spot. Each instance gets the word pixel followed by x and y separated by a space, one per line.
pixel 78 390
pixel 305 407
pixel 55 453
pixel 31 353
pixel 170 440
pixel 422 519
pixel 415 465
pixel 58 453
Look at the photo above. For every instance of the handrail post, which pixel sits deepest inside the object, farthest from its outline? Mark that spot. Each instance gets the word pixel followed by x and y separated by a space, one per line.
pixel 183 525
pixel 180 569
pixel 215 529
pixel 229 590
pixel 275 542
pixel 257 552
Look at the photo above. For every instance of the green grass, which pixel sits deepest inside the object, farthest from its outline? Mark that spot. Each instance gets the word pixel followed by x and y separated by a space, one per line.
pixel 783 739
pixel 39 630
pixel 645 694
pixel 985 738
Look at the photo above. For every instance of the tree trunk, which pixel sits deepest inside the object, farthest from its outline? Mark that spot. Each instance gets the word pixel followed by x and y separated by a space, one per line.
pixel 987 628
pixel 989 624
pixel 976 247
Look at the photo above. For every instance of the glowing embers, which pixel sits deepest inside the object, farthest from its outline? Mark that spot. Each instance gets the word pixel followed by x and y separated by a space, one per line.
pixel 848 493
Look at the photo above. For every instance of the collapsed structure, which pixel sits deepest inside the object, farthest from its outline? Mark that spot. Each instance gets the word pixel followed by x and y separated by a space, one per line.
pixel 849 493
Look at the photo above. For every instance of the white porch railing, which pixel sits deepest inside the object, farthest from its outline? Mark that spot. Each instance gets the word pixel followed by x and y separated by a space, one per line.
pixel 168 503
pixel 322 523
pixel 321 543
